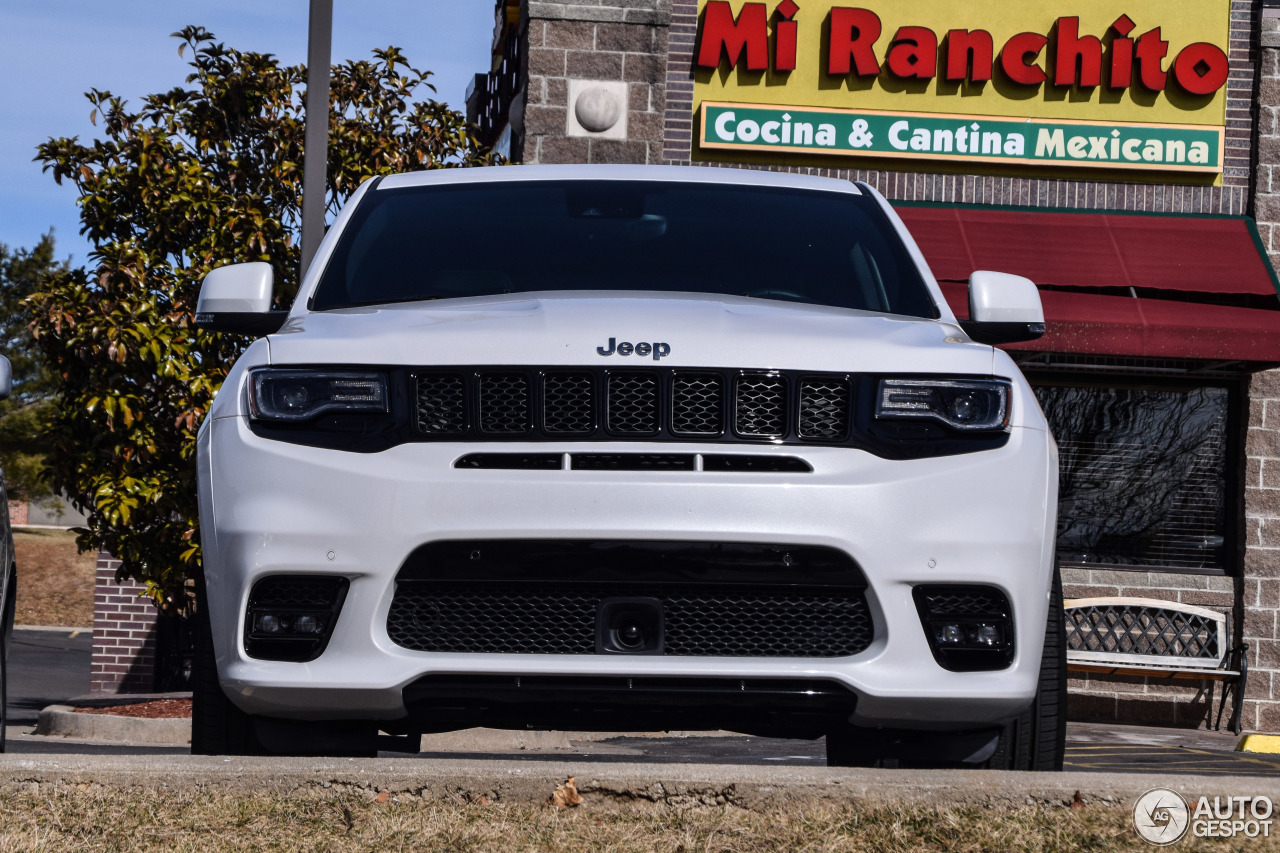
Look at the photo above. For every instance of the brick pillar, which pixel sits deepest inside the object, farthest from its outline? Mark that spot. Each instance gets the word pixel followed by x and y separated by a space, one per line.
pixel 1262 554
pixel 124 634
pixel 619 43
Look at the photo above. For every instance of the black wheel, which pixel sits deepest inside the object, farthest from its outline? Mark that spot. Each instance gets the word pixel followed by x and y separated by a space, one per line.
pixel 6 640
pixel 218 727
pixel 1037 739
pixel 4 687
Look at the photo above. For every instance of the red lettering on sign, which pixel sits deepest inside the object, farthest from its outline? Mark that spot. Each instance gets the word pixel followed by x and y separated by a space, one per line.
pixel 784 37
pixel 969 55
pixel 722 35
pixel 1018 57
pixel 1120 75
pixel 853 35
pixel 913 53
pixel 1064 57
pixel 1079 58
pixel 1201 68
pixel 1149 53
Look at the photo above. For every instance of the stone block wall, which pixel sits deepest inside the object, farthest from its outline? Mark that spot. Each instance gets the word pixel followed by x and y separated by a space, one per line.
pixel 602 40
pixel 124 634
pixel 1261 592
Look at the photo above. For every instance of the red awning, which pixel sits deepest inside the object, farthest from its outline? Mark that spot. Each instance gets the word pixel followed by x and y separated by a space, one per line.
pixel 1114 283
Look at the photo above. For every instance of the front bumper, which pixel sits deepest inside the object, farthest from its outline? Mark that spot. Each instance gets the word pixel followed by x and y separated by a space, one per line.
pixel 269 507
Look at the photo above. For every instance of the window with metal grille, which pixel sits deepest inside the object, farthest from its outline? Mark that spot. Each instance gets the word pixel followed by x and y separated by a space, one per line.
pixel 1143 475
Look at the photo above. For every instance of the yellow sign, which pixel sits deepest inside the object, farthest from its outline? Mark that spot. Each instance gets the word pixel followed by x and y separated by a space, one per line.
pixel 1128 63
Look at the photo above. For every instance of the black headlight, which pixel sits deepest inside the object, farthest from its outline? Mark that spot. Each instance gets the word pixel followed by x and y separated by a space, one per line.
pixel 292 396
pixel 964 404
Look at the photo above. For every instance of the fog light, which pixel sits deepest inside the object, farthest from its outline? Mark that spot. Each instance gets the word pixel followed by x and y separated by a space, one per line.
pixel 950 634
pixel 968 627
pixel 268 623
pixel 987 635
pixel 307 625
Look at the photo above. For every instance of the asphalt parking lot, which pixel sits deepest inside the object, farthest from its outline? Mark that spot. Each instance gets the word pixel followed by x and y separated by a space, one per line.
pixel 50 667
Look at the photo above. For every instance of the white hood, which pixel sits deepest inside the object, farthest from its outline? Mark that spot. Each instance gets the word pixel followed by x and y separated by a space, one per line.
pixel 699 330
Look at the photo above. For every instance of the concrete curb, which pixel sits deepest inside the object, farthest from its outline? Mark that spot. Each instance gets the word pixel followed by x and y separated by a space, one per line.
pixel 63 721
pixel 1259 743
pixel 669 785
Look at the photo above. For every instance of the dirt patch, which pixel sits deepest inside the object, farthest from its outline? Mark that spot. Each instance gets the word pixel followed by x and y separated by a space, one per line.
pixel 55 582
pixel 69 818
pixel 157 709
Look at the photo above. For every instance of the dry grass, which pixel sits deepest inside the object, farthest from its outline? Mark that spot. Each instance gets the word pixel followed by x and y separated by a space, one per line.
pixel 55 583
pixel 67 818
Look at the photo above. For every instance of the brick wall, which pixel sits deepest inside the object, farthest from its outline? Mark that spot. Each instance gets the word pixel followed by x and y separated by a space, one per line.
pixel 124 634
pixel 603 40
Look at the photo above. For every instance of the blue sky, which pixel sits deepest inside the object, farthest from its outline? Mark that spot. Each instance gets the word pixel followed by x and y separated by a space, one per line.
pixel 52 51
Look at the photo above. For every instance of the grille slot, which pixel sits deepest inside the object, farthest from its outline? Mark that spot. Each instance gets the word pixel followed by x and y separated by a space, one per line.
pixel 760 405
pixel 442 404
pixel 568 404
pixel 633 403
pixel 755 464
pixel 697 404
pixel 504 403
pixel 632 461
pixel 824 409
pixel 560 618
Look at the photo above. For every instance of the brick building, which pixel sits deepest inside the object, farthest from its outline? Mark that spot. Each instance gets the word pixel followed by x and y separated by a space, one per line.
pixel 1126 159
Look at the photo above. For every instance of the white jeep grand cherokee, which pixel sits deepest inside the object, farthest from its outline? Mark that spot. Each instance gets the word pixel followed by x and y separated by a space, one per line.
pixel 625 448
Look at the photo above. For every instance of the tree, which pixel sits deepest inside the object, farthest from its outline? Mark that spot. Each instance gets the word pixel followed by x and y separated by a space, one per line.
pixel 30 406
pixel 199 176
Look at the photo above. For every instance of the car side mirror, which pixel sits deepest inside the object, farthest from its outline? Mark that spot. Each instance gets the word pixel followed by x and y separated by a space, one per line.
pixel 237 298
pixel 1003 309
pixel 6 378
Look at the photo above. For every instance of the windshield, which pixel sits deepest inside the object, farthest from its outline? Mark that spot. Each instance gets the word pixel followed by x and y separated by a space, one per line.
pixel 822 248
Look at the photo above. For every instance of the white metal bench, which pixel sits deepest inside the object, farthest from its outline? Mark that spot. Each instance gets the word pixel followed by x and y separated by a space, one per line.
pixel 1156 639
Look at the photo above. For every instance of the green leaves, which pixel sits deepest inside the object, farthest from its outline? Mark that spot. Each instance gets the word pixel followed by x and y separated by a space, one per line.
pixel 197 177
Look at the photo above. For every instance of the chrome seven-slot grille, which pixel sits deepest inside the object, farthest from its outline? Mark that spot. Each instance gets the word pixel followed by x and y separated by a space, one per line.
pixel 525 403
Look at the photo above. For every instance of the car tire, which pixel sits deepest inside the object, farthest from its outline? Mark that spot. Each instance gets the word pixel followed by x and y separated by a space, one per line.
pixel 6 640
pixel 1037 739
pixel 218 727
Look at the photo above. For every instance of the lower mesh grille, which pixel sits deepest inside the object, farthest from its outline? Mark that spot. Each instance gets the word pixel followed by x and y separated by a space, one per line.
pixel 296 591
pixel 964 600
pixel 560 618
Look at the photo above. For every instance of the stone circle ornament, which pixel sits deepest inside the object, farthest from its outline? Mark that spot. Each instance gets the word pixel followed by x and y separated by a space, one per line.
pixel 597 109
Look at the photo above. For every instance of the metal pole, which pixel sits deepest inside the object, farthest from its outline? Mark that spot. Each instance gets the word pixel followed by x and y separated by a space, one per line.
pixel 316 141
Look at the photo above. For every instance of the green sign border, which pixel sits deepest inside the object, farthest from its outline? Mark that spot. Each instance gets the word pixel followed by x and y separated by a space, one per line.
pixel 875 123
